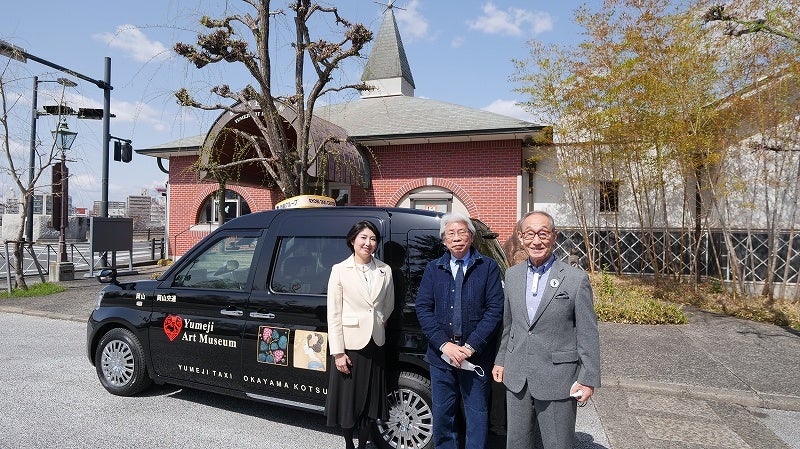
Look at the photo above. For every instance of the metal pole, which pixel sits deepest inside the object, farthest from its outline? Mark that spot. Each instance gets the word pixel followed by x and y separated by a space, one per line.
pixel 32 162
pixel 62 236
pixel 106 137
pixel 106 141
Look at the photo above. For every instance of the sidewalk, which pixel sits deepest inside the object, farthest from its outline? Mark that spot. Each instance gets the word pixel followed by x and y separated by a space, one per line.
pixel 76 302
pixel 703 384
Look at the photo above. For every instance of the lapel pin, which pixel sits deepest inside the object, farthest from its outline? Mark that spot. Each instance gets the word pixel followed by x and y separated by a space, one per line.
pixel 554 283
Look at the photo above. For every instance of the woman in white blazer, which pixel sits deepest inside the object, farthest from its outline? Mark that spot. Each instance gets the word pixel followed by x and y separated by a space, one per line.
pixel 360 300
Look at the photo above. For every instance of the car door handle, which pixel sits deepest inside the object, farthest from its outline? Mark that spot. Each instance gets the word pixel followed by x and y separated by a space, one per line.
pixel 267 316
pixel 231 312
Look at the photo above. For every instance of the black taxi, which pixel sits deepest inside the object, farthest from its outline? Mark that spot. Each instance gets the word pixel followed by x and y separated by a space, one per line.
pixel 243 313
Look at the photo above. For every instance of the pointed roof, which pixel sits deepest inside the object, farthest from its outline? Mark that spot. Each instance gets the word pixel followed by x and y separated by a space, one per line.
pixel 391 113
pixel 387 68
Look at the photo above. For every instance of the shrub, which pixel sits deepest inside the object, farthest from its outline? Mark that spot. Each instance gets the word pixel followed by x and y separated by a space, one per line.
pixel 619 301
pixel 644 301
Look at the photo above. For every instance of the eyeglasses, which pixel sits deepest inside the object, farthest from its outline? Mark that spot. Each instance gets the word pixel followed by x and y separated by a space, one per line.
pixel 459 233
pixel 544 235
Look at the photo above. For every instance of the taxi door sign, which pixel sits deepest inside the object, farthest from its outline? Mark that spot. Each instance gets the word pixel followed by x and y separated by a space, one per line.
pixel 303 201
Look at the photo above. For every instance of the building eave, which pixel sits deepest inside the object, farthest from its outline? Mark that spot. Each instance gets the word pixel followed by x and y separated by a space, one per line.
pixel 522 134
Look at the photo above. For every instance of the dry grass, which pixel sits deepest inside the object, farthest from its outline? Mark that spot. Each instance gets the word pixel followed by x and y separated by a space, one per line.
pixel 709 296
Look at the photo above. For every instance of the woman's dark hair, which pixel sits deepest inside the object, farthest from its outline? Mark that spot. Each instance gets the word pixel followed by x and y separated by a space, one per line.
pixel 318 345
pixel 357 228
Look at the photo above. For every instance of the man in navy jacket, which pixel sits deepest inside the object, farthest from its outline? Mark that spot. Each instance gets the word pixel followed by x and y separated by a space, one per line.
pixel 460 313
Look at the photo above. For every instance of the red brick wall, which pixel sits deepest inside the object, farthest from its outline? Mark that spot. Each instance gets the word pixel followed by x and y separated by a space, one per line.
pixel 482 174
pixel 187 195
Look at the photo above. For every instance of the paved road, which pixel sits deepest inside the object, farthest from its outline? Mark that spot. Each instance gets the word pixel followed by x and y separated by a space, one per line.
pixel 52 399
pixel 715 382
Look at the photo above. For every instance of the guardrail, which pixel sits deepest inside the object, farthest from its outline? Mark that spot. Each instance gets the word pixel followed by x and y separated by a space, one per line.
pixel 37 257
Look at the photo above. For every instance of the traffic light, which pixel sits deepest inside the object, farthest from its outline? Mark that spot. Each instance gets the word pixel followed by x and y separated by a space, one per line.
pixel 123 151
pixel 90 113
pixel 126 152
pixel 59 110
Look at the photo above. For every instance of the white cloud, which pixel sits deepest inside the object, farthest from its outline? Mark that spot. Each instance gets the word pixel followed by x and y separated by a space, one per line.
pixel 509 108
pixel 412 23
pixel 83 181
pixel 17 149
pixel 155 184
pixel 140 113
pixel 457 42
pixel 131 40
pixel 511 22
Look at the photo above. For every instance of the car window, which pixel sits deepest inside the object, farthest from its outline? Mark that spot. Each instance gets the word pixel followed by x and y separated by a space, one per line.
pixel 225 265
pixel 487 244
pixel 423 246
pixel 303 264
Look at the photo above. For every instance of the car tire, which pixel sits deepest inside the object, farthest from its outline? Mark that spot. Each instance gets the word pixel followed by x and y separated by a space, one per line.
pixel 410 422
pixel 120 365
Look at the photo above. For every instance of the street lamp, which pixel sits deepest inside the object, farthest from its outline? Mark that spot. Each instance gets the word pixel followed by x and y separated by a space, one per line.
pixel 19 54
pixel 32 156
pixel 64 139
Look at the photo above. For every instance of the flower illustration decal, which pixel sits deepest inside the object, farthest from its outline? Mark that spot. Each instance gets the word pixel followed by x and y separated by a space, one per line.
pixel 272 345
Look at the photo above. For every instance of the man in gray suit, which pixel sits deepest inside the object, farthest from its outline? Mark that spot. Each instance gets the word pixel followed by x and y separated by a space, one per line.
pixel 550 347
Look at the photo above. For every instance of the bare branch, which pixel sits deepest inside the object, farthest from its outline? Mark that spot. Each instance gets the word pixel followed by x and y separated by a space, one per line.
pixel 286 162
pixel 739 27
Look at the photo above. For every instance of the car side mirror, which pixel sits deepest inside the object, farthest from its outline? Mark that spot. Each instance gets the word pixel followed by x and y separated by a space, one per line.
pixel 107 276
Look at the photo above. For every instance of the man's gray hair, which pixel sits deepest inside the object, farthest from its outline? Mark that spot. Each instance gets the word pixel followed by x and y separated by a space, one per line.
pixel 455 217
pixel 537 212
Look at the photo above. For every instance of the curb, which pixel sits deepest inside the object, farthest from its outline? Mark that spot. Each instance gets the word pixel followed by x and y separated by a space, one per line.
pixel 44 314
pixel 750 398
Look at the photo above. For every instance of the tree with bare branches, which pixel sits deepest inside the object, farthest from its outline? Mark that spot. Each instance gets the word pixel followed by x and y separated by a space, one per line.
pixel 620 119
pixel 244 39
pixel 701 130
pixel 46 157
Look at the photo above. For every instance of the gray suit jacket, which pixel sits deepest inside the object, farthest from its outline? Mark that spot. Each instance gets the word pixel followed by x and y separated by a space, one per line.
pixel 561 345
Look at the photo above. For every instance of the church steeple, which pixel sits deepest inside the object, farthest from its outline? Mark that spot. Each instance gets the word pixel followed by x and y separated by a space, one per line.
pixel 387 69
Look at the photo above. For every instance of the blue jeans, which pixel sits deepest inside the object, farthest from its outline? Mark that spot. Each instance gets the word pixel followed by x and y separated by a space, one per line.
pixel 447 386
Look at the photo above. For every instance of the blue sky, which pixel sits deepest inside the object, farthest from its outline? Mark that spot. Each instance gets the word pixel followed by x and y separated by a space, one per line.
pixel 459 52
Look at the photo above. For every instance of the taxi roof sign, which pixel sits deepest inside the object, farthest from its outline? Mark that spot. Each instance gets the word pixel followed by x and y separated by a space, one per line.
pixel 303 201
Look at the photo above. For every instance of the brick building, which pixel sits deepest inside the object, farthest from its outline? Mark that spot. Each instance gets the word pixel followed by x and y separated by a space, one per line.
pixel 412 152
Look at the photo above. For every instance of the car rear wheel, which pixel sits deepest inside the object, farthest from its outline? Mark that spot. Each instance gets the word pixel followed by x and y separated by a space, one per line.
pixel 120 365
pixel 410 422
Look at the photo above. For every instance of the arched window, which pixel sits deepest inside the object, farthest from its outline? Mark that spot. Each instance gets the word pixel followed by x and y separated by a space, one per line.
pixel 235 206
pixel 433 198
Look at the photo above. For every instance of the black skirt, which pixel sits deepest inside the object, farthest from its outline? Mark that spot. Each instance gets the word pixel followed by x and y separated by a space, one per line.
pixel 360 394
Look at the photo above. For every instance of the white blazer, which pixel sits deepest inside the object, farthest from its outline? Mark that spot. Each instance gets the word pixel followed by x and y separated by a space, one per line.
pixel 355 314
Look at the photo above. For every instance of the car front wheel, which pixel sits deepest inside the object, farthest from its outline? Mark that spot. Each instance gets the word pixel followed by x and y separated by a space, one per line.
pixel 120 365
pixel 410 422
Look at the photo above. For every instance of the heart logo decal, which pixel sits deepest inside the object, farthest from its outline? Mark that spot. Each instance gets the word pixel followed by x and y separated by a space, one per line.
pixel 173 324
